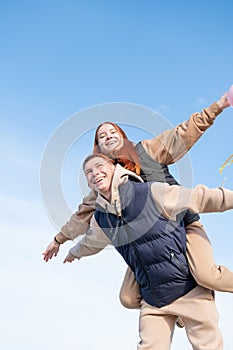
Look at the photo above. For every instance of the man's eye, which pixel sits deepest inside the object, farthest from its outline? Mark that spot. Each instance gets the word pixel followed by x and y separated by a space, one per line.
pixel 99 165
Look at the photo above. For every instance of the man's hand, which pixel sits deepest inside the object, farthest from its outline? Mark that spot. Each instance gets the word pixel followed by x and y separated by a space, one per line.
pixel 70 258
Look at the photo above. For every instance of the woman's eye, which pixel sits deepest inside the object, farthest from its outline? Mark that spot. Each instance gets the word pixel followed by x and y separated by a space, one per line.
pixel 101 136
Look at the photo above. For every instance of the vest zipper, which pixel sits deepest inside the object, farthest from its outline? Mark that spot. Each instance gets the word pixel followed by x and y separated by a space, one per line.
pixel 177 262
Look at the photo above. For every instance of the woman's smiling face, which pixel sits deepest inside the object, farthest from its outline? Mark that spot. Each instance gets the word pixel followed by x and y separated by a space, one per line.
pixel 109 139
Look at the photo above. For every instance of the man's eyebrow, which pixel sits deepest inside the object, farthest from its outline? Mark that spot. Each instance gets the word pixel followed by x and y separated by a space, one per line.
pixel 87 170
pixel 98 163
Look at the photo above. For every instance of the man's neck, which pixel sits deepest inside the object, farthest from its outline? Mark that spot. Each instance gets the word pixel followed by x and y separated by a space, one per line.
pixel 106 196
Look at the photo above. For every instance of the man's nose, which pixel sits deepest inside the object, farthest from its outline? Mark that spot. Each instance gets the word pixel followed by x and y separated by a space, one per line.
pixel 95 171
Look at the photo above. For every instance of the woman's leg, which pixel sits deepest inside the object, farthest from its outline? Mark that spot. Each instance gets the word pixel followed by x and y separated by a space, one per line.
pixel 201 261
pixel 130 295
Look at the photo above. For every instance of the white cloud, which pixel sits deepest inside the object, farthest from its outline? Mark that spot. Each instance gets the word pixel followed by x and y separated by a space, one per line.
pixel 200 101
pixel 163 109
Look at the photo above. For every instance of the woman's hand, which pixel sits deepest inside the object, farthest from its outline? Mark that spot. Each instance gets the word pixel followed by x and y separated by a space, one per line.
pixel 51 251
pixel 223 101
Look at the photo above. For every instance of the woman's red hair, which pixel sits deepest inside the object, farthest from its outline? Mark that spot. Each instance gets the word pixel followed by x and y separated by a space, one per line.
pixel 126 156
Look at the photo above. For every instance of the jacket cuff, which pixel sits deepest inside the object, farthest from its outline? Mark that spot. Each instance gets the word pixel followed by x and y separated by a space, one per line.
pixel 74 252
pixel 213 110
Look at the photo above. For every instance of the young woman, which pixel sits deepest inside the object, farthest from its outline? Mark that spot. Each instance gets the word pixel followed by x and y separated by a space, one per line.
pixel 149 159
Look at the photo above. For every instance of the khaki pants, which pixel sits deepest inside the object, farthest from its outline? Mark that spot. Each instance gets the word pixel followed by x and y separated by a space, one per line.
pixel 201 261
pixel 201 264
pixel 198 312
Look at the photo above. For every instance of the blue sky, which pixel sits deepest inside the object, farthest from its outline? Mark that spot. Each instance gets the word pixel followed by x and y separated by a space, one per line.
pixel 58 59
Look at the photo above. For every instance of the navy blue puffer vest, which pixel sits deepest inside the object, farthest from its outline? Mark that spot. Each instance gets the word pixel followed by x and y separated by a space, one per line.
pixel 152 246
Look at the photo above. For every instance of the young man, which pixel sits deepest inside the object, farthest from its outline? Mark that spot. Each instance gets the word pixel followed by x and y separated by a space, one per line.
pixel 141 220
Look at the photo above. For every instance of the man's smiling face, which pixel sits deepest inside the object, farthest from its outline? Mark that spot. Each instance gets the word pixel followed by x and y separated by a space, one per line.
pixel 99 173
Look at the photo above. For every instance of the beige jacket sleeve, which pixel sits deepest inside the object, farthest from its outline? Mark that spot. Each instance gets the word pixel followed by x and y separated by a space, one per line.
pixel 80 220
pixel 92 242
pixel 173 144
pixel 172 200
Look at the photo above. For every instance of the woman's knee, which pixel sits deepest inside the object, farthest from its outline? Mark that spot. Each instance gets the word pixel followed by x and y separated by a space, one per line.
pixel 208 275
pixel 128 302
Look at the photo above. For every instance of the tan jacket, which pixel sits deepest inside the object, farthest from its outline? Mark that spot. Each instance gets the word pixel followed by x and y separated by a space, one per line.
pixel 170 200
pixel 167 148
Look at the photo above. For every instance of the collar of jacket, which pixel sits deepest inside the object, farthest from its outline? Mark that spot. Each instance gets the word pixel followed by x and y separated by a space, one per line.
pixel 121 176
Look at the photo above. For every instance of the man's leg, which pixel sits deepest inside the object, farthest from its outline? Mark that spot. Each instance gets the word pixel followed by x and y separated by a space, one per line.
pixel 198 312
pixel 155 328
